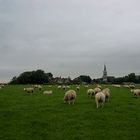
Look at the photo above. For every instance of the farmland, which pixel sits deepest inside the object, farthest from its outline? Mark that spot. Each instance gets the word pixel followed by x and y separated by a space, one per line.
pixel 41 117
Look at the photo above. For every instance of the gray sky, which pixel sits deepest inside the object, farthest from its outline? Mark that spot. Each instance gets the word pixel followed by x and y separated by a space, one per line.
pixel 69 37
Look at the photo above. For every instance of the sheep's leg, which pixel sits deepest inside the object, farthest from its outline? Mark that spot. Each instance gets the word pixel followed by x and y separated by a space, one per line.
pixel 97 104
pixel 73 102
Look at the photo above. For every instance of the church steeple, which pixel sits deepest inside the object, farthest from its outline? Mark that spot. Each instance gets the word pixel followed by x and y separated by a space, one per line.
pixel 105 74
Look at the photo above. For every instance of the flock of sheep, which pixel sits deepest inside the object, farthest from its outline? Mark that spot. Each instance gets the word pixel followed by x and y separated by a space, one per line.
pixel 101 95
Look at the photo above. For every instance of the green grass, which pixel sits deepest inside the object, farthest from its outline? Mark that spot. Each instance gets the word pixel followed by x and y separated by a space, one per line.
pixel 40 117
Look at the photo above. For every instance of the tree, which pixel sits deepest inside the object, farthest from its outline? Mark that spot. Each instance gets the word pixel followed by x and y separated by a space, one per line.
pixel 132 77
pixel 32 77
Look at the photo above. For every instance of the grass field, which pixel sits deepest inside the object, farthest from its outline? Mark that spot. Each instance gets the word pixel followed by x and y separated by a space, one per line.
pixel 41 117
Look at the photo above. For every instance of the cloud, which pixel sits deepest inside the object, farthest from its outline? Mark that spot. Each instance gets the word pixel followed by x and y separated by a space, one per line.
pixel 69 38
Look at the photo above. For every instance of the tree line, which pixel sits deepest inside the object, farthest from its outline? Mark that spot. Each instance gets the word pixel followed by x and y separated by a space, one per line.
pixel 40 77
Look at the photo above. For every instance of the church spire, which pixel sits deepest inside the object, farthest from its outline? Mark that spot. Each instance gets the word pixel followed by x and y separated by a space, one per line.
pixel 105 74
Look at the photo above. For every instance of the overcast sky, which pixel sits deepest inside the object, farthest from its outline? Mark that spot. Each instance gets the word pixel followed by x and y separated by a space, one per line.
pixel 69 37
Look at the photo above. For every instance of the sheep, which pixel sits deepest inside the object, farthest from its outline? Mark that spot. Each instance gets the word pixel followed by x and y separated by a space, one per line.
pixel 100 99
pixel 68 87
pixel 96 90
pixel 38 86
pixel 70 96
pixel 63 87
pixel 90 92
pixel 29 90
pixel 98 86
pixel 59 87
pixel 126 86
pixel 86 86
pixel 47 92
pixel 136 92
pixel 132 86
pixel 78 88
pixel 118 86
pixel 106 92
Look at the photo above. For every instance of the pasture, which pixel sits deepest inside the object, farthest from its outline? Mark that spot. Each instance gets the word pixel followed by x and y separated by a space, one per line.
pixel 41 117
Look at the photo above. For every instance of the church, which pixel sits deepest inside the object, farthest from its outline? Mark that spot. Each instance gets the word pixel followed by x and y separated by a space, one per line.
pixel 105 78
pixel 104 74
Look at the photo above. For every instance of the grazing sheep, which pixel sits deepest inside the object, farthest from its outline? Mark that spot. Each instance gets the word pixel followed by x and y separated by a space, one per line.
pixel 100 99
pixel 126 86
pixel 106 92
pixel 38 87
pixel 96 90
pixel 47 92
pixel 98 86
pixel 132 86
pixel 136 92
pixel 118 86
pixel 78 88
pixel 90 92
pixel 68 87
pixel 59 87
pixel 70 96
pixel 86 86
pixel 29 90
pixel 63 87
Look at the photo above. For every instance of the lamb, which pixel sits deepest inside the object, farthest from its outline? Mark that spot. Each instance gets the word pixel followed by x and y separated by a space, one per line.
pixel 47 92
pixel 136 92
pixel 106 92
pixel 70 96
pixel 100 99
pixel 29 90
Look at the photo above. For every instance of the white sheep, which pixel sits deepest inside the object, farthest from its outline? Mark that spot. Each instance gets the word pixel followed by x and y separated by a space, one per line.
pixel 117 86
pixel 132 86
pixel 106 92
pixel 59 87
pixel 29 90
pixel 96 90
pixel 38 87
pixel 99 86
pixel 63 87
pixel 100 99
pixel 90 92
pixel 136 92
pixel 70 96
pixel 126 86
pixel 47 92
pixel 78 88
pixel 68 87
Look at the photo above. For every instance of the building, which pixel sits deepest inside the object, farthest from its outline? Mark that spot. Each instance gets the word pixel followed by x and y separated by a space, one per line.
pixel 104 74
